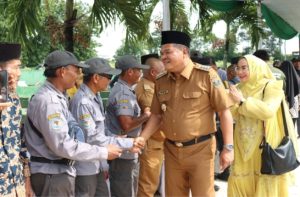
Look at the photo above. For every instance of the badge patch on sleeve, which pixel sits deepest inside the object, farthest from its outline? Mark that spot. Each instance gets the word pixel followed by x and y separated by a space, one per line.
pixel 216 82
pixel 85 120
pixel 56 123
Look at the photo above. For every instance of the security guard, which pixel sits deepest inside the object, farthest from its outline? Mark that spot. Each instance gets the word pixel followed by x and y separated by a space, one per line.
pixel 87 108
pixel 123 118
pixel 53 136
pixel 14 158
pixel 185 100
pixel 153 155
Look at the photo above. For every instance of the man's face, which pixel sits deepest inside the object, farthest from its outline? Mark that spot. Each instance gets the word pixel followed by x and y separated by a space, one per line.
pixel 297 65
pixel 103 81
pixel 157 68
pixel 70 76
pixel 13 70
pixel 137 73
pixel 231 73
pixel 172 58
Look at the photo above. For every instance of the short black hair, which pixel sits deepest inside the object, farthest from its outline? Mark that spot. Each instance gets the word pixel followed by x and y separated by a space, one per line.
pixel 50 72
pixel 296 59
pixel 234 60
pixel 87 77
pixel 262 54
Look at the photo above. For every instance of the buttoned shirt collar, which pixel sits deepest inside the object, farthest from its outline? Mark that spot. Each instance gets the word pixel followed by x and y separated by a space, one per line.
pixel 186 73
pixel 126 84
pixel 59 93
pixel 88 92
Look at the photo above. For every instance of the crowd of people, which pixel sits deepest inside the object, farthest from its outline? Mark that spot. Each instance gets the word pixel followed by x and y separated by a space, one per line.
pixel 175 111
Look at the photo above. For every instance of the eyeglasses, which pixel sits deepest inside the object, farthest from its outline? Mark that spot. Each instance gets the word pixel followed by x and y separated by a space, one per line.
pixel 109 77
pixel 241 68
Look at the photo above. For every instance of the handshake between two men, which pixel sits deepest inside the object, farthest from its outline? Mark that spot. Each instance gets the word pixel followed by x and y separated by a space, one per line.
pixel 115 151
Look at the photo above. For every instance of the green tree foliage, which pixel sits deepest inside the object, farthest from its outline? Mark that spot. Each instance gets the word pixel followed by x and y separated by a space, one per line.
pixel 48 34
pixel 44 25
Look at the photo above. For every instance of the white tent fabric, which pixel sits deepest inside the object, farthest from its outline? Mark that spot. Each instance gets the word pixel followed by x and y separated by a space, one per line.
pixel 288 10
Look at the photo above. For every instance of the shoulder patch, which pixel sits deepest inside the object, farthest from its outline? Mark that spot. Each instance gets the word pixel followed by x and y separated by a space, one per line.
pixel 52 116
pixel 202 67
pixel 147 87
pixel 161 74
pixel 123 101
pixel 84 116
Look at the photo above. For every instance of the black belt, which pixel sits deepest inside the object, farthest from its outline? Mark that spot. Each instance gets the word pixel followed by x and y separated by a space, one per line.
pixel 191 142
pixel 64 161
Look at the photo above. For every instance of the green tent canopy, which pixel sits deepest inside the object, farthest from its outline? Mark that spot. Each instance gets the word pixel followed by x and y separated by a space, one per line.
pixel 278 26
pixel 224 6
pixel 281 16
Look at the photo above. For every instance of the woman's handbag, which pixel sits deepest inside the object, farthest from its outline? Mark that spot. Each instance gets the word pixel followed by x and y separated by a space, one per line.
pixel 281 159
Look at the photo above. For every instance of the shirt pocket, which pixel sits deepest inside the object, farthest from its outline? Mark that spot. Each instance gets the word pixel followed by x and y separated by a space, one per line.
pixel 98 122
pixel 192 99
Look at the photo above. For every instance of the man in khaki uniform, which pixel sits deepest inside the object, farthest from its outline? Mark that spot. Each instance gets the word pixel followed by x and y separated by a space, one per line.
pixel 152 157
pixel 185 100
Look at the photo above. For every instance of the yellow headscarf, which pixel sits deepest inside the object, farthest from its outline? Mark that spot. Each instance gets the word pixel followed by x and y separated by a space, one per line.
pixel 260 74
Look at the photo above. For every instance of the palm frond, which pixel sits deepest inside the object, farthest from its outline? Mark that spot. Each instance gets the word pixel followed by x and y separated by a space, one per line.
pixel 180 20
pixel 23 17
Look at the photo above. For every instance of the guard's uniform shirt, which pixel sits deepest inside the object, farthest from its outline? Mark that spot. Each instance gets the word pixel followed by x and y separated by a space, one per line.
pixel 144 92
pixel 49 113
pixel 13 152
pixel 122 101
pixel 87 109
pixel 188 104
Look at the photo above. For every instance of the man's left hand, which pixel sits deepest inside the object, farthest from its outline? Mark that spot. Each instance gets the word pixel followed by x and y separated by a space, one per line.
pixel 226 158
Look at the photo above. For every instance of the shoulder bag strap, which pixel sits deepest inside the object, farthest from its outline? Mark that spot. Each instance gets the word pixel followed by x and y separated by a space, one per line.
pixel 36 131
pixel 283 116
pixel 284 119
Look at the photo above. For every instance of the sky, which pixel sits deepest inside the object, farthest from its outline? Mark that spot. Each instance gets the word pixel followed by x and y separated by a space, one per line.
pixel 111 38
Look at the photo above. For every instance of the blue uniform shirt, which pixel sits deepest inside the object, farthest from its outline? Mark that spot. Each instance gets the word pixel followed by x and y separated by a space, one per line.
pixel 87 109
pixel 49 113
pixel 122 101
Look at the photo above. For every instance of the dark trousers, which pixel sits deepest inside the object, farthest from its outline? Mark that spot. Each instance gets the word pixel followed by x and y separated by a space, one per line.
pixel 85 186
pixel 53 184
pixel 123 177
pixel 102 187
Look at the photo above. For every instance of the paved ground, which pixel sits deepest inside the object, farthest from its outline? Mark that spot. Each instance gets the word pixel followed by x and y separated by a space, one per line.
pixel 294 189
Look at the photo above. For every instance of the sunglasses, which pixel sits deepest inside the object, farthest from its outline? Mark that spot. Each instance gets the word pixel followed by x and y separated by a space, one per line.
pixel 106 76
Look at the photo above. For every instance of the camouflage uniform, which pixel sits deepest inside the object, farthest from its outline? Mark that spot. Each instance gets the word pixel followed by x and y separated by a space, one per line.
pixel 13 152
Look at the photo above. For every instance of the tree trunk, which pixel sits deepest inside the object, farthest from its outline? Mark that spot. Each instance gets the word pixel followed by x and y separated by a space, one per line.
pixel 70 20
pixel 166 15
pixel 227 39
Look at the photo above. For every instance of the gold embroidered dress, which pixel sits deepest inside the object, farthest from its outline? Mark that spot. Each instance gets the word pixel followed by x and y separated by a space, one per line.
pixel 245 177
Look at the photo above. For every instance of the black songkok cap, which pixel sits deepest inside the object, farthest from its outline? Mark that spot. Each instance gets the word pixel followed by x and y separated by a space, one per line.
pixel 9 51
pixel 296 59
pixel 175 37
pixel 145 57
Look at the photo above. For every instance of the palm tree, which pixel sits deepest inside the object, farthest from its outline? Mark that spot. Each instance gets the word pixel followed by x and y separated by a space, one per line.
pixel 243 15
pixel 24 18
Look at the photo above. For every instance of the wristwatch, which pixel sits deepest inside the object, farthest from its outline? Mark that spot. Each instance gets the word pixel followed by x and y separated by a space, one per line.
pixel 228 147
pixel 242 101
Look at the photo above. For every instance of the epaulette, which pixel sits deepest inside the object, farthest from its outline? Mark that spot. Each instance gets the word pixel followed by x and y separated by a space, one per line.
pixel 161 74
pixel 202 67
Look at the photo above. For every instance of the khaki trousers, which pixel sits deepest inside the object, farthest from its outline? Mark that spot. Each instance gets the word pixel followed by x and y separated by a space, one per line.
pixel 190 167
pixel 150 168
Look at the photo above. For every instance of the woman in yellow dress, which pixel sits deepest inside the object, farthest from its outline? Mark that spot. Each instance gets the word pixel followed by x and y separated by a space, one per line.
pixel 252 109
